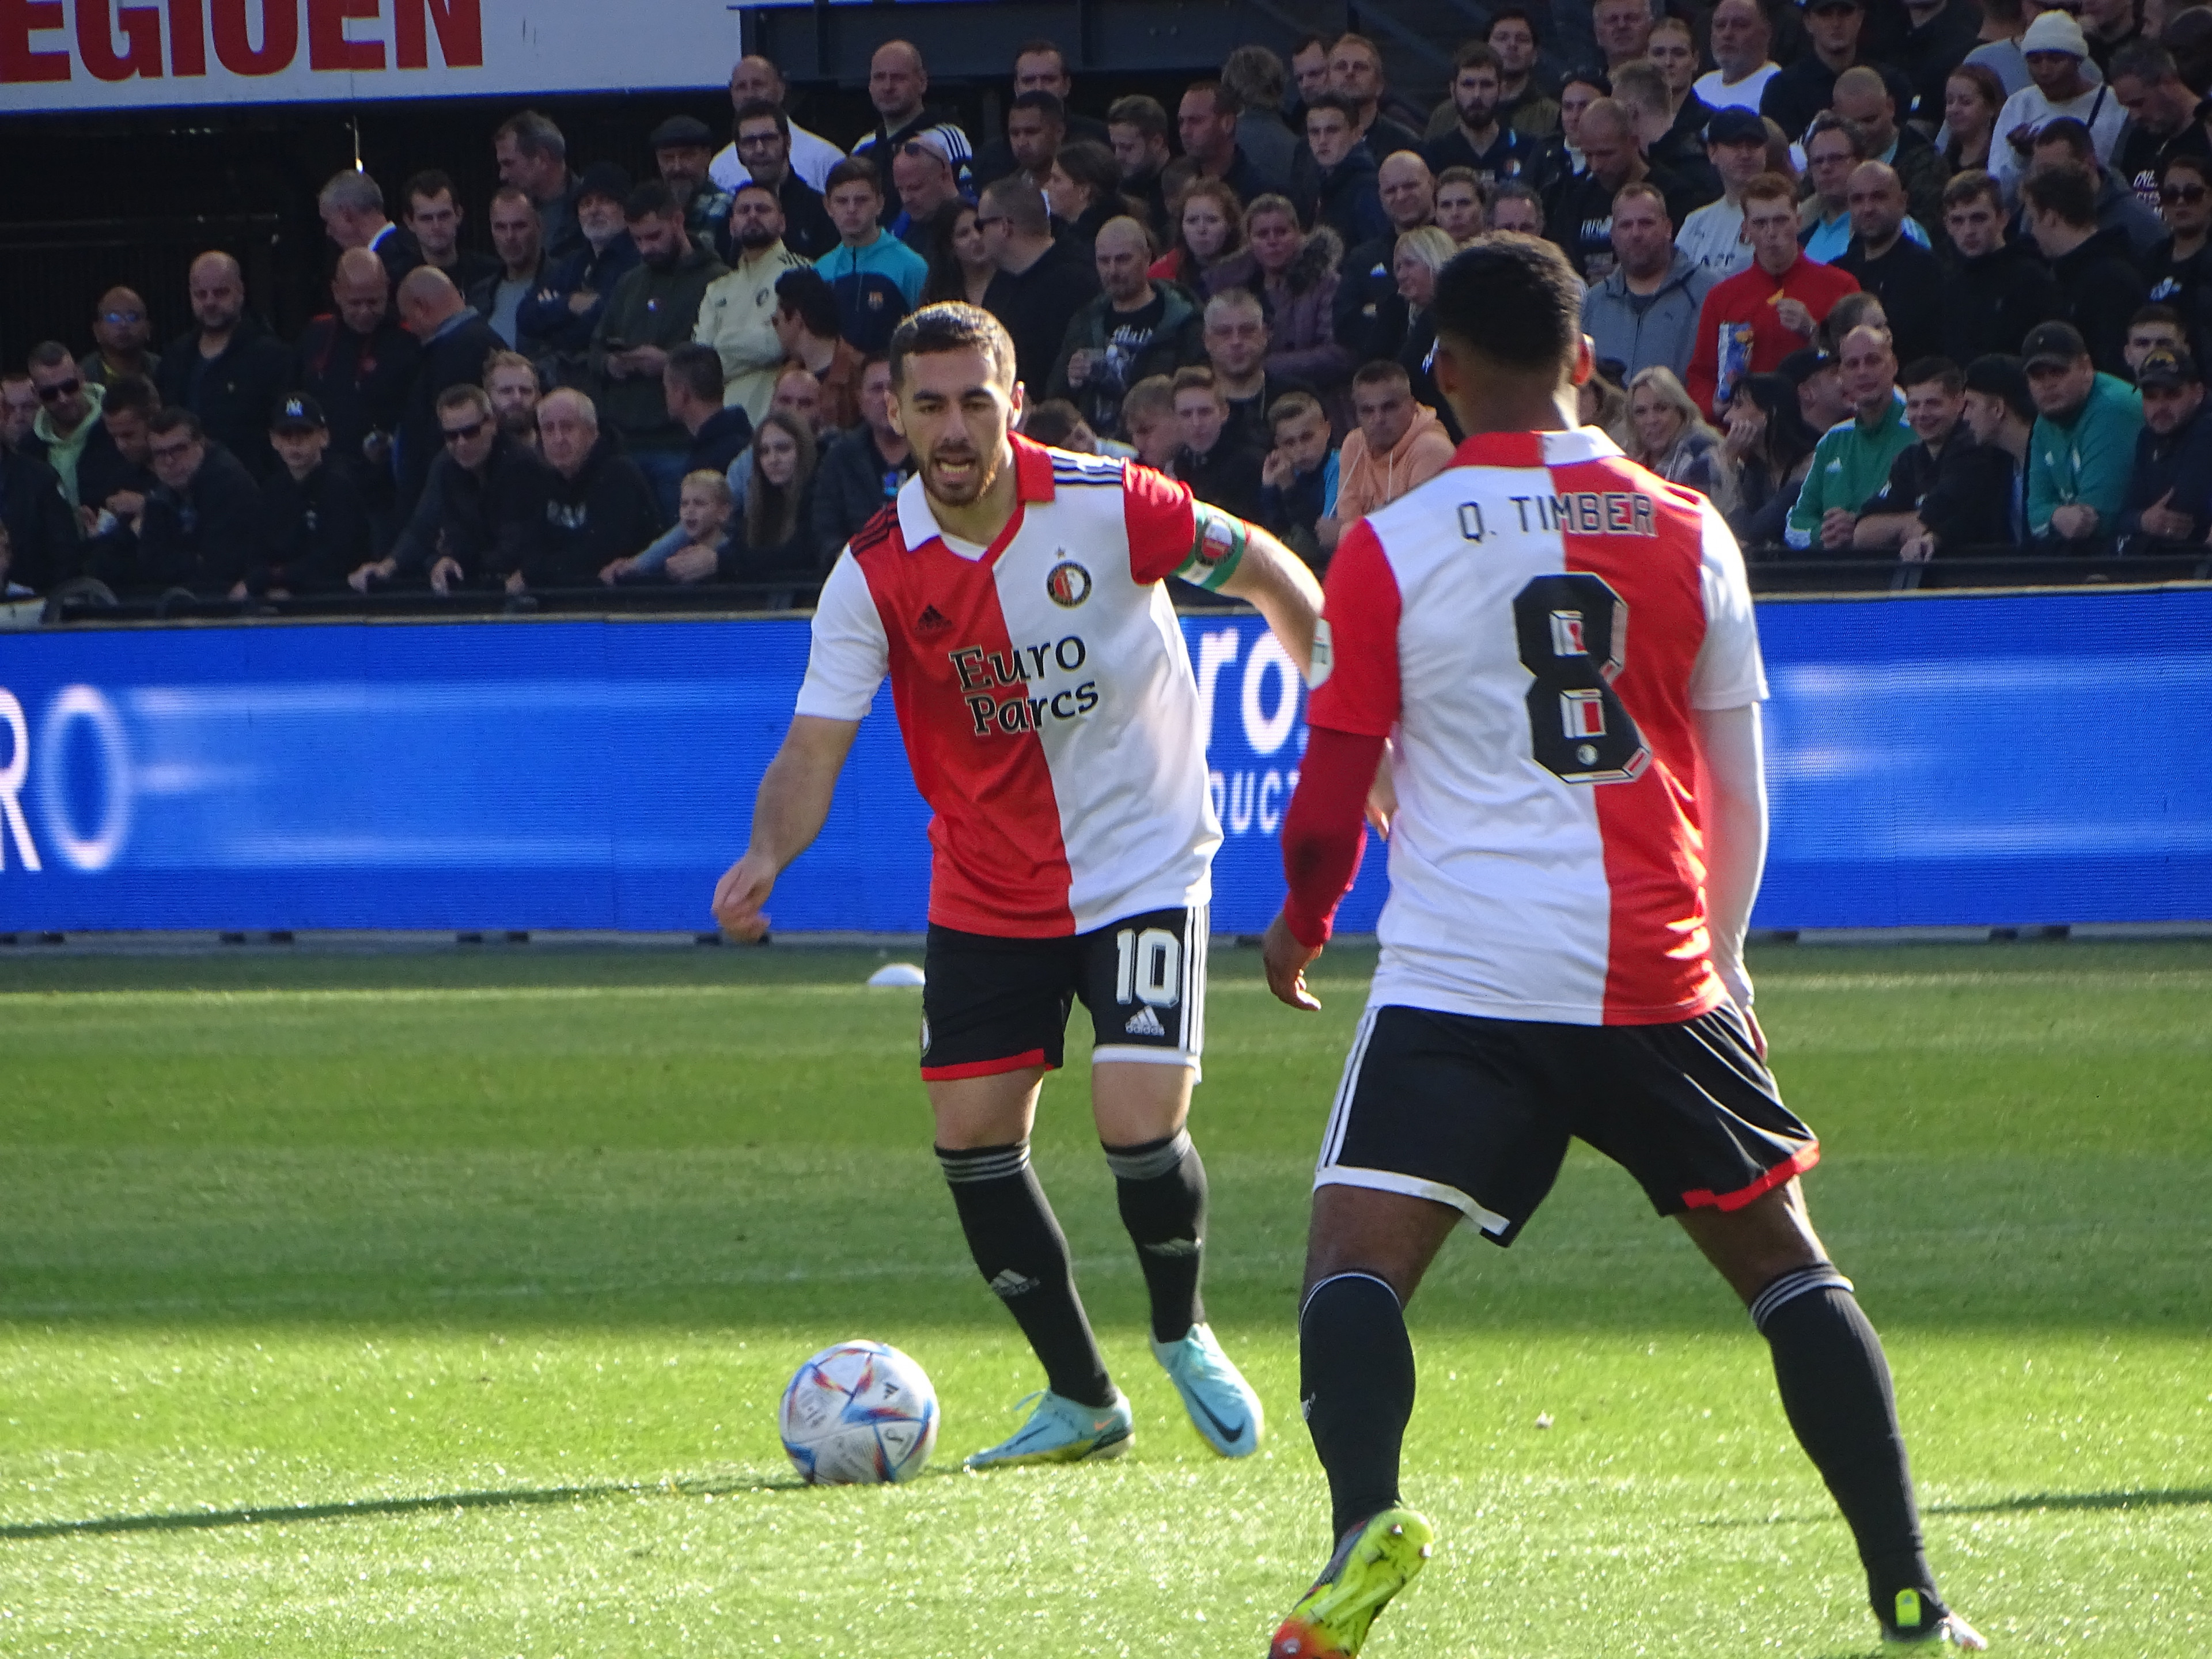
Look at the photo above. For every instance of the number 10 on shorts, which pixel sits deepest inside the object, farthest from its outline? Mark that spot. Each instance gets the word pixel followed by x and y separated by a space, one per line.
pixel 1147 967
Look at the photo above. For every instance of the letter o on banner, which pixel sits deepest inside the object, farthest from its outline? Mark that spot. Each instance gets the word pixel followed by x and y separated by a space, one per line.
pixel 1268 733
pixel 95 852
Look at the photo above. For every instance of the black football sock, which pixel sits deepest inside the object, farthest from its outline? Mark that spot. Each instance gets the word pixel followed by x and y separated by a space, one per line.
pixel 1356 1388
pixel 1161 1188
pixel 1836 1390
pixel 1017 1244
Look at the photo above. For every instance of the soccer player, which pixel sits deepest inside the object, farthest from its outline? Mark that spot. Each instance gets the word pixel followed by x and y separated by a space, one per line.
pixel 1016 597
pixel 1579 834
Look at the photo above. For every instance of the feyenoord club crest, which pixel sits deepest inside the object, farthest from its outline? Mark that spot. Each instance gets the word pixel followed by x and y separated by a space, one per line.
pixel 1068 584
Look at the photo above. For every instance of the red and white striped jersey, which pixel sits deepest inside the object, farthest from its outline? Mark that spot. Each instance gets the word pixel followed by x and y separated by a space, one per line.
pixel 1534 627
pixel 1043 691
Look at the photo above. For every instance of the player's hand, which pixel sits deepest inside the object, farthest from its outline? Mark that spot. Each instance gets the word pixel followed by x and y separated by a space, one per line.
pixel 738 896
pixel 1382 796
pixel 1286 962
pixel 1737 983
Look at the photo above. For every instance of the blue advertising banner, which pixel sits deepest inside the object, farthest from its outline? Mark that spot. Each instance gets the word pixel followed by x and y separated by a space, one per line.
pixel 2004 760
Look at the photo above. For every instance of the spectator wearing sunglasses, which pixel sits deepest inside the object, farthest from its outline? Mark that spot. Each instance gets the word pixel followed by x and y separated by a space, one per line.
pixel 480 520
pixel 120 334
pixel 66 423
pixel 2181 272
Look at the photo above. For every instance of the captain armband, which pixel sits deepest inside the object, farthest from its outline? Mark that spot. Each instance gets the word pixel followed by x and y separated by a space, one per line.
pixel 1217 549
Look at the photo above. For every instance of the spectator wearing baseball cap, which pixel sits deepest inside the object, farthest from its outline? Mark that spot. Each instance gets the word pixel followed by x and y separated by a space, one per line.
pixel 683 151
pixel 1808 85
pixel 1713 237
pixel 2080 457
pixel 313 524
pixel 2170 493
pixel 2055 51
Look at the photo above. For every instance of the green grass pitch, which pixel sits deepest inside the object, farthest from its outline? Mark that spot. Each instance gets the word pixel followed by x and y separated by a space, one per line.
pixel 439 1305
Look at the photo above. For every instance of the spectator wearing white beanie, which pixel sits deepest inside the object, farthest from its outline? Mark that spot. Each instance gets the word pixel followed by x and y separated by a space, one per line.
pixel 2056 52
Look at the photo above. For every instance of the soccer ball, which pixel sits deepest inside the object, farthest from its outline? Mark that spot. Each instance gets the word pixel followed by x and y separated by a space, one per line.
pixel 860 1413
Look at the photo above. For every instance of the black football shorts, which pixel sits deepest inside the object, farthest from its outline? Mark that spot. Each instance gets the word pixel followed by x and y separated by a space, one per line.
pixel 992 1004
pixel 1477 1113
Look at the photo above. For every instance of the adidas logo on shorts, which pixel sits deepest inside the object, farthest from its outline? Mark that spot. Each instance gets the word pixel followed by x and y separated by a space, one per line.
pixel 1145 1022
pixel 1010 1284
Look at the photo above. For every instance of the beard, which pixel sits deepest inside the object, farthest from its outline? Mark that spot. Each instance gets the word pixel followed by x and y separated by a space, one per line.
pixel 754 238
pixel 1478 116
pixel 982 472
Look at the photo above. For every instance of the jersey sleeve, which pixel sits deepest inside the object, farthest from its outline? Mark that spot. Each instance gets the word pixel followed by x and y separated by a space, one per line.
pixel 1728 672
pixel 1161 517
pixel 850 653
pixel 1355 658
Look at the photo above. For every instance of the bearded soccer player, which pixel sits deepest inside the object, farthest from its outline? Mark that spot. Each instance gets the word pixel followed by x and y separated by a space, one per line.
pixel 1580 829
pixel 1016 596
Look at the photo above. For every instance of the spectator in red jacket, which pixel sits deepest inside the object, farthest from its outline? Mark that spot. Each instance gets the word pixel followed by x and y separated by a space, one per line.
pixel 1767 312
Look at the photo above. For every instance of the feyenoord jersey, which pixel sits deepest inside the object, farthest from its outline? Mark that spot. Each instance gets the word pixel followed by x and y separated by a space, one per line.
pixel 1534 627
pixel 1043 691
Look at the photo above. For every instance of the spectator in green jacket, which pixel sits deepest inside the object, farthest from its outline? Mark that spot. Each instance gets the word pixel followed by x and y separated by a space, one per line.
pixel 2083 452
pixel 653 310
pixel 1852 463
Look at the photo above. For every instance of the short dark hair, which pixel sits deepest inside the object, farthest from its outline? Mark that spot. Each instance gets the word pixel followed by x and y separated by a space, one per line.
pixel 1476 54
pixel 1940 371
pixel 1051 422
pixel 1055 110
pixel 1515 14
pixel 2156 313
pixel 466 396
pixel 163 421
pixel 1383 372
pixel 1018 205
pixel 1973 185
pixel 1148 115
pixel 1337 101
pixel 1293 406
pixel 429 184
pixel 1828 121
pixel 651 200
pixel 1511 300
pixel 2145 60
pixel 49 354
pixel 698 369
pixel 1090 164
pixel 2066 189
pixel 806 292
pixel 130 394
pixel 1225 101
pixel 2199 165
pixel 952 325
pixel 1036 46
pixel 852 170
pixel 2001 375
pixel 533 135
pixel 760 109
pixel 2073 135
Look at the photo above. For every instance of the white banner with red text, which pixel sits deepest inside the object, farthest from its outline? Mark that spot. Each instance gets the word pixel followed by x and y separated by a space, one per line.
pixel 147 54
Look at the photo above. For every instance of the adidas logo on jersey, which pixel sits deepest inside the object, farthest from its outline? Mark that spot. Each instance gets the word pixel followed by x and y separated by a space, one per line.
pixel 1145 1022
pixel 930 620
pixel 1009 1285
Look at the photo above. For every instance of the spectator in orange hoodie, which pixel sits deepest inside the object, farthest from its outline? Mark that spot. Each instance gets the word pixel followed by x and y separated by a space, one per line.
pixel 1399 443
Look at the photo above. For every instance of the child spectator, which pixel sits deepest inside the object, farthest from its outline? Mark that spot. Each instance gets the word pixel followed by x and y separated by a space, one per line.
pixel 692 548
pixel 1148 420
pixel 1298 480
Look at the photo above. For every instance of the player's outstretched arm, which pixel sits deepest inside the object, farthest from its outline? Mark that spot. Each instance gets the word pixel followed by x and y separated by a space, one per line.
pixel 1276 583
pixel 1732 784
pixel 787 814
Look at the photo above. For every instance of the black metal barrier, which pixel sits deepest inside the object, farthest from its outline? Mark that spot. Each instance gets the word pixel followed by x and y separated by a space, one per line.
pixel 1769 578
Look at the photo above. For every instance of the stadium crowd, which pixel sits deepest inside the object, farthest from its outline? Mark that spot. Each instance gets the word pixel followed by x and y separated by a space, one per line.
pixel 1897 283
